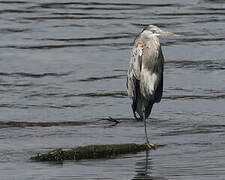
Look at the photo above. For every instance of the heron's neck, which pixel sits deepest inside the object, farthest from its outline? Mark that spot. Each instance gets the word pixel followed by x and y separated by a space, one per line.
pixel 151 46
pixel 150 40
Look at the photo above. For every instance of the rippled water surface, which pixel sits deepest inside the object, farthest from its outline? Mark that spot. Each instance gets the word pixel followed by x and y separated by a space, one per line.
pixel 62 75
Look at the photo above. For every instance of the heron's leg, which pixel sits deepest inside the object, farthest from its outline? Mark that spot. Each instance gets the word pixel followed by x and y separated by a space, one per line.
pixel 146 135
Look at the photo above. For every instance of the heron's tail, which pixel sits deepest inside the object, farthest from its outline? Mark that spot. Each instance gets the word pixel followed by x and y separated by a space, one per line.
pixel 148 109
pixel 138 111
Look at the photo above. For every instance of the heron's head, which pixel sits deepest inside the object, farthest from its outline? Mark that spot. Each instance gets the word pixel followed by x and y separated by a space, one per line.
pixel 158 32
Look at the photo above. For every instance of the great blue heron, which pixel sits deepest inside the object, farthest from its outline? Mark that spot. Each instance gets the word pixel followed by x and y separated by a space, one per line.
pixel 145 73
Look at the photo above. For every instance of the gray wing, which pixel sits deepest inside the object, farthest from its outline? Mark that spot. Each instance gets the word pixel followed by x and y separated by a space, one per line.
pixel 159 90
pixel 133 74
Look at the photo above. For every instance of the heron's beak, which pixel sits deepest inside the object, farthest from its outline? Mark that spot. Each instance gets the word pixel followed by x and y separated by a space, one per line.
pixel 167 34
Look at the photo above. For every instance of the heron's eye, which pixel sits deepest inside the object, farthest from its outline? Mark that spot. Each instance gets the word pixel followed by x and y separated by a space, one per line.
pixel 153 31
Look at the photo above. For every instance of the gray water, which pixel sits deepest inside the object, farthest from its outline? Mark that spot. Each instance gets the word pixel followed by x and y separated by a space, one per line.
pixel 62 75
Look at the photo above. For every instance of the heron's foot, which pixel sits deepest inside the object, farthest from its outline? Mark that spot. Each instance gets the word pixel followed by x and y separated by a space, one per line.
pixel 150 145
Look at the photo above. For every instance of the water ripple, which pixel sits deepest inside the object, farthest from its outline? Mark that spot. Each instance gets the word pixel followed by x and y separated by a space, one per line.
pixel 96 4
pixel 102 78
pixel 198 130
pixel 203 65
pixel 65 46
pixel 16 11
pixel 42 106
pixel 13 2
pixel 32 75
pixel 73 17
pixel 175 97
pixel 41 124
pixel 115 94
pixel 90 38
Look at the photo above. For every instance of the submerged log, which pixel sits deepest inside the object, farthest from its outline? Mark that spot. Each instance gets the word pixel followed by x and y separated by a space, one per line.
pixel 90 152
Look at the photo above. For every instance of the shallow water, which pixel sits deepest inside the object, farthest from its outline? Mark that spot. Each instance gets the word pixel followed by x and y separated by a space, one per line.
pixel 63 72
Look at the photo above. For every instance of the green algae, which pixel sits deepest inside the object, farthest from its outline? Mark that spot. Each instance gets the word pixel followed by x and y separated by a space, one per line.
pixel 90 152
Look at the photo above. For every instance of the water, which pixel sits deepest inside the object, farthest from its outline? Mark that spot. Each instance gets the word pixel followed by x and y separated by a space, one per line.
pixel 63 72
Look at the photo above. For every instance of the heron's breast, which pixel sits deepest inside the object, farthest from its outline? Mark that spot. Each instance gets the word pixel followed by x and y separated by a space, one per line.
pixel 148 82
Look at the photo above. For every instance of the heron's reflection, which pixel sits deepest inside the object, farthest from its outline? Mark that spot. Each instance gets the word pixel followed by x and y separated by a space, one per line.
pixel 144 169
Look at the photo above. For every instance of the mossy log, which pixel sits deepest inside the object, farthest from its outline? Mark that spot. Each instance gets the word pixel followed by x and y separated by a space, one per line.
pixel 90 152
